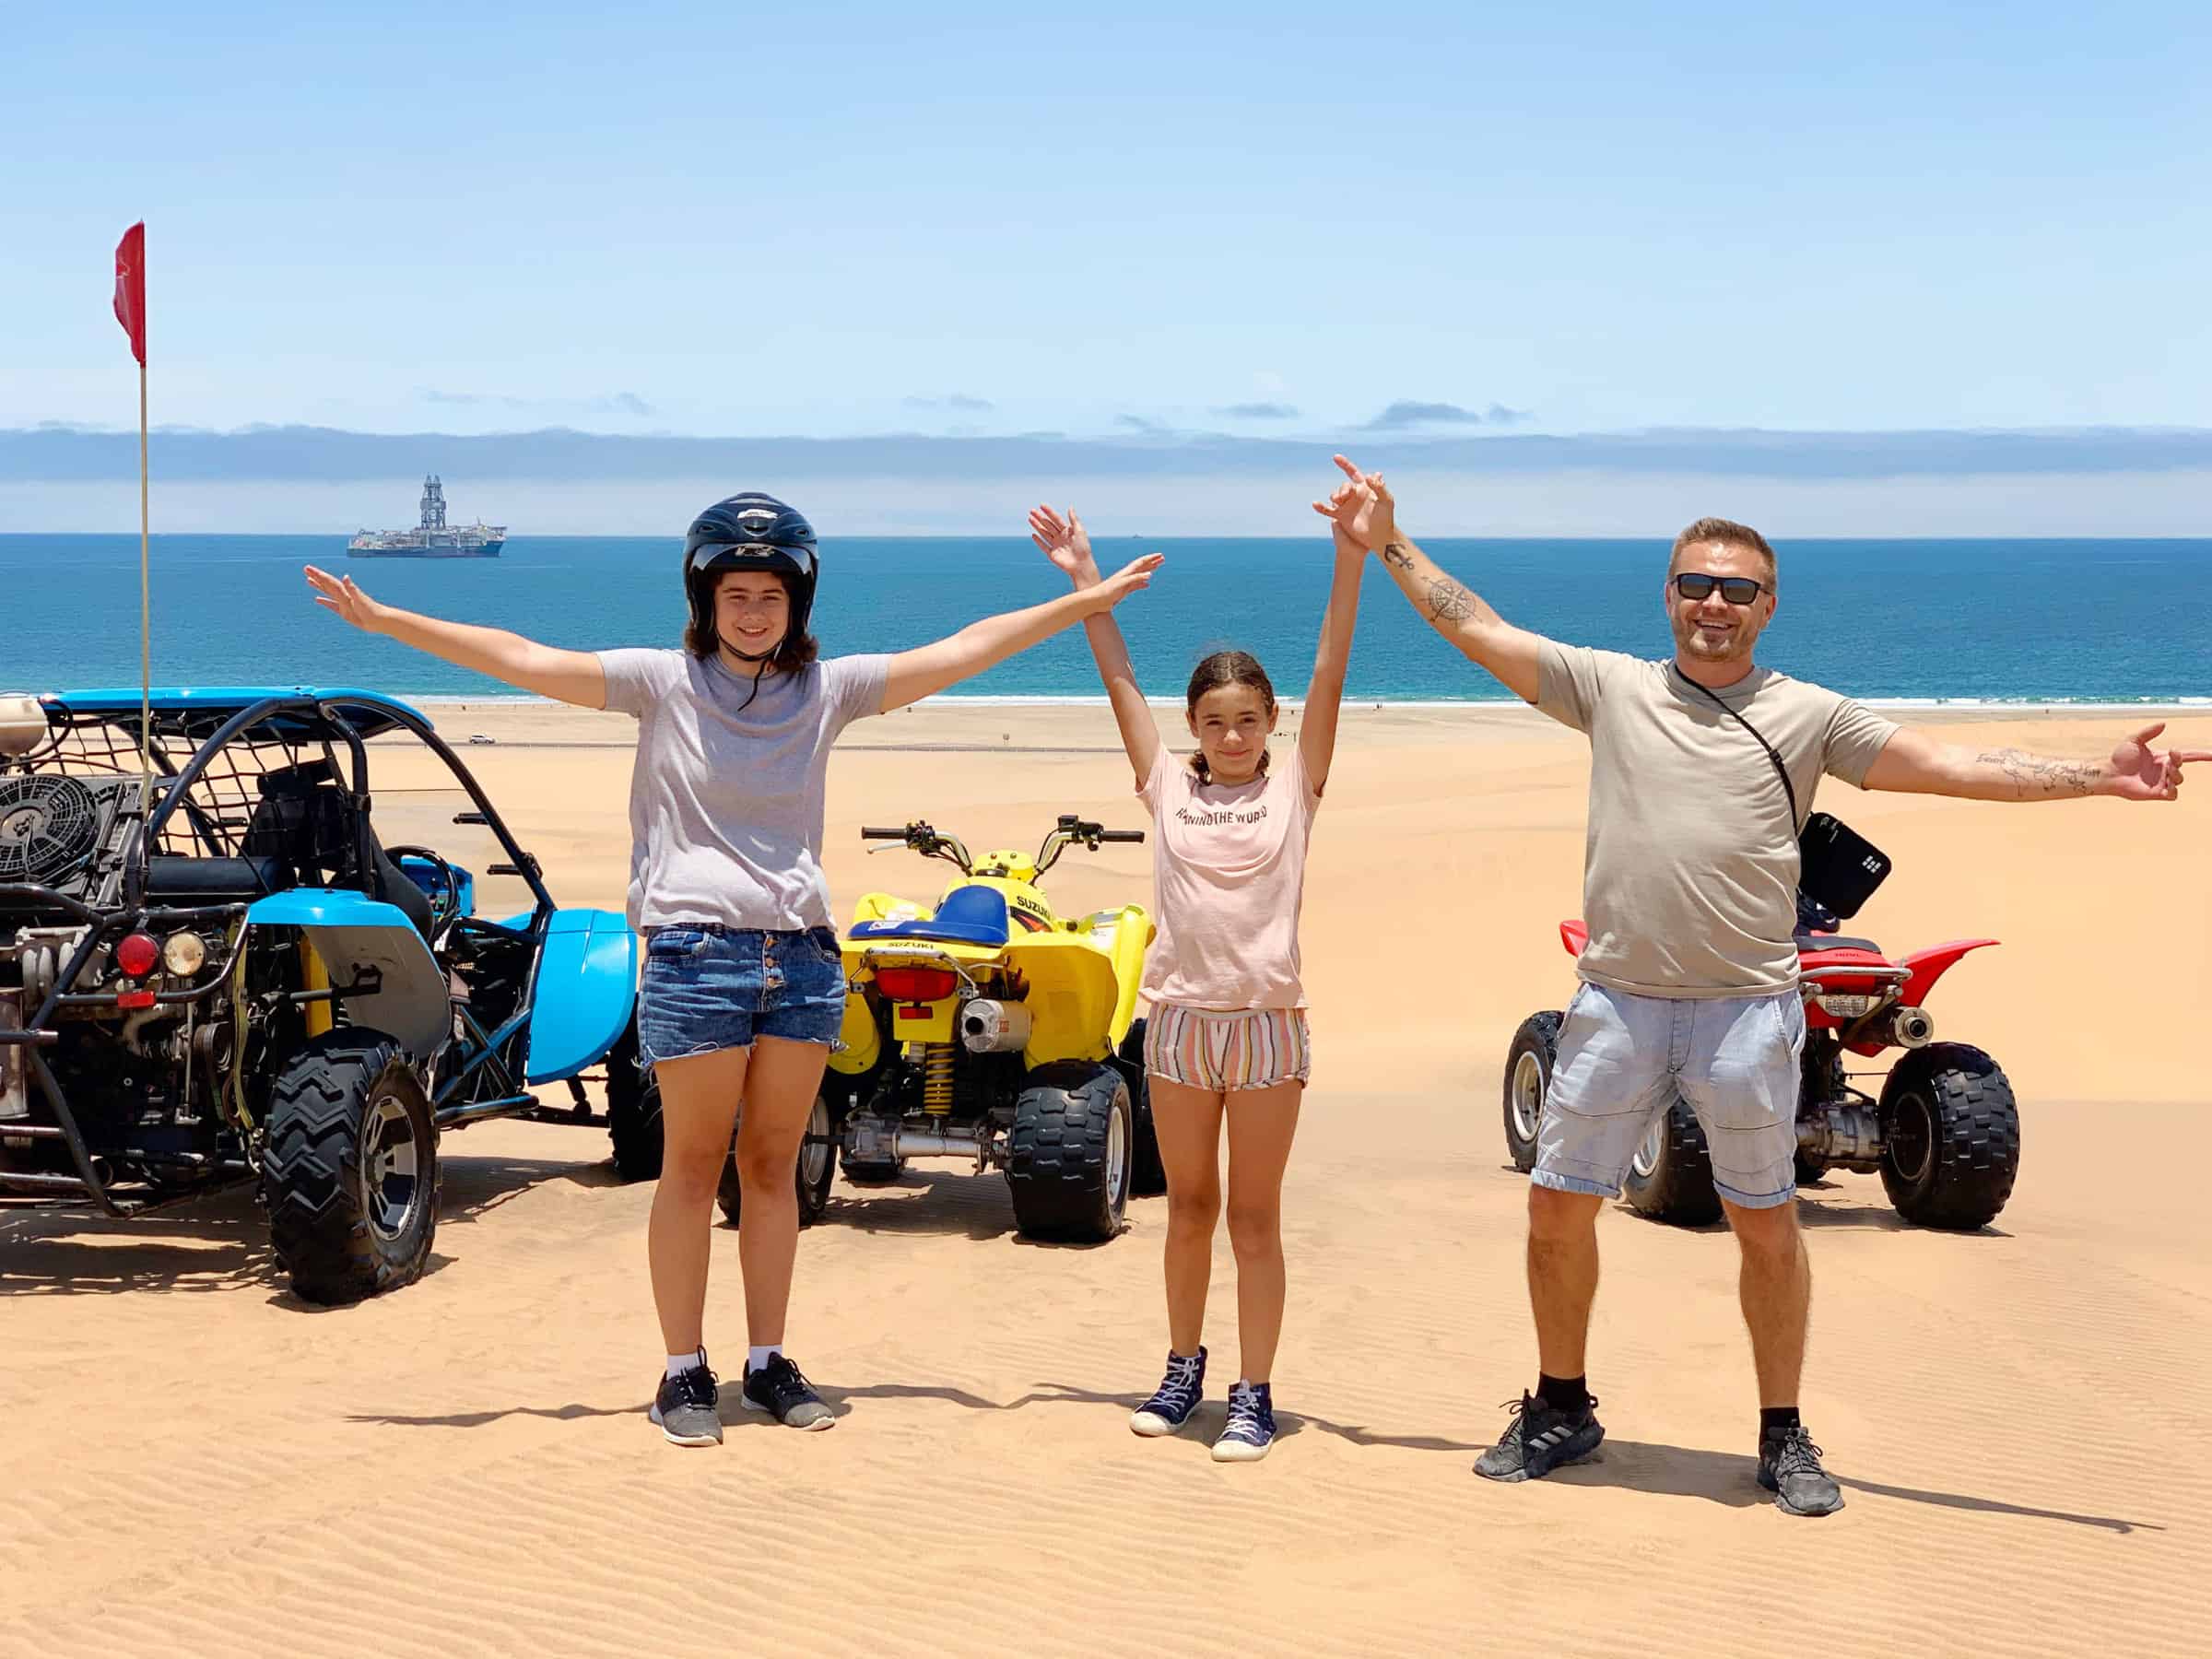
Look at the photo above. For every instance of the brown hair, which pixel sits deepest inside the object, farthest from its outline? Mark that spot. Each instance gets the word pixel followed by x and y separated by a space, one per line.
pixel 797 649
pixel 1227 668
pixel 1730 534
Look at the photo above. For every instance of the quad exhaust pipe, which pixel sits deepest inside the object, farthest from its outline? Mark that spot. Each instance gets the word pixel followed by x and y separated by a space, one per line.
pixel 1911 1027
pixel 992 1026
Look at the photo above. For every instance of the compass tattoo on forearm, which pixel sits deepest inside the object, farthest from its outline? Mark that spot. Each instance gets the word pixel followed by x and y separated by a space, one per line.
pixel 1448 602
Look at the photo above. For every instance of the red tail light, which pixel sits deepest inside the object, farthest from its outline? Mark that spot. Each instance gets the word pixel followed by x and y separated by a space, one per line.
pixel 917 984
pixel 136 955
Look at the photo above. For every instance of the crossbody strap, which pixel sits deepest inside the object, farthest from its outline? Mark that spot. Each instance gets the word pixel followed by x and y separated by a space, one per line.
pixel 1781 771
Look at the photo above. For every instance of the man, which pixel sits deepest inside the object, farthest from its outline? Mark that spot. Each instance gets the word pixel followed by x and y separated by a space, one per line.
pixel 1689 980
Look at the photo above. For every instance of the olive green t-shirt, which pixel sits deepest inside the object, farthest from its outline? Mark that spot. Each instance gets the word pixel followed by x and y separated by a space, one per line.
pixel 1690 879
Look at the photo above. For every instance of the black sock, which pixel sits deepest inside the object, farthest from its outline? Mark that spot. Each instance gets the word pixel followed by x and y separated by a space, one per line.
pixel 1774 1420
pixel 1562 1393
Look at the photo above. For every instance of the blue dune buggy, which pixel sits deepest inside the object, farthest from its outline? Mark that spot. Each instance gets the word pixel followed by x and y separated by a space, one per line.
pixel 227 974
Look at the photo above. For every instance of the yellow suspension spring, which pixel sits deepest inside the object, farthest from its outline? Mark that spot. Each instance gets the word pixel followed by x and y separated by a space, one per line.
pixel 936 1078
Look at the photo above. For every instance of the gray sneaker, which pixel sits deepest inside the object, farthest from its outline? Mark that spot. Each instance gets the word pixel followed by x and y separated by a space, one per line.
pixel 1789 1467
pixel 1540 1439
pixel 685 1409
pixel 780 1389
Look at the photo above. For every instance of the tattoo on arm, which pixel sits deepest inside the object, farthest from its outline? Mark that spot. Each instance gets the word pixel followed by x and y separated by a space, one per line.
pixel 1448 602
pixel 2033 775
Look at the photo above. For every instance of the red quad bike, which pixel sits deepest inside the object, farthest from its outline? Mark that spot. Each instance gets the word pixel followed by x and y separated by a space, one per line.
pixel 1944 1132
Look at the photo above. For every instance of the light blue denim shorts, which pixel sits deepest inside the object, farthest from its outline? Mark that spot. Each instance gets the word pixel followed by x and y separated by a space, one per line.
pixel 709 987
pixel 1622 1060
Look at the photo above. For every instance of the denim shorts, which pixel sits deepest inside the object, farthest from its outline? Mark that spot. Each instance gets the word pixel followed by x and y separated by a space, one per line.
pixel 708 987
pixel 1622 1060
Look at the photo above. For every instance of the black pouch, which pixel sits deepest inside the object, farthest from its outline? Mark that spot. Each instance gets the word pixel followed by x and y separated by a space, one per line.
pixel 1838 868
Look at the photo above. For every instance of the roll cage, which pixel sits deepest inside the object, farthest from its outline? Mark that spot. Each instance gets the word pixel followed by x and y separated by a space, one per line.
pixel 210 750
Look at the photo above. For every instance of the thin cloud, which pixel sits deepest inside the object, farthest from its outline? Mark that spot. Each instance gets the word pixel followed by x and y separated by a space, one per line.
pixel 1138 423
pixel 1401 416
pixel 961 401
pixel 606 403
pixel 294 453
pixel 1255 411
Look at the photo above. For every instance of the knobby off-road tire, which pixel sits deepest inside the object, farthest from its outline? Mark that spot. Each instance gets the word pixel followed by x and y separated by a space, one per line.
pixel 1068 1158
pixel 1670 1179
pixel 1953 1138
pixel 633 1111
pixel 817 1166
pixel 1528 1067
pixel 349 1169
pixel 1148 1175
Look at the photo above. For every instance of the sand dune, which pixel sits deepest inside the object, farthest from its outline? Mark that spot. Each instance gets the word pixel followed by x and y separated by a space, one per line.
pixel 195 1463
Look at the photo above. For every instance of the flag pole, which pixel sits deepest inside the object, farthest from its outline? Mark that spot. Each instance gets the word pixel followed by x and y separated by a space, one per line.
pixel 130 310
pixel 145 622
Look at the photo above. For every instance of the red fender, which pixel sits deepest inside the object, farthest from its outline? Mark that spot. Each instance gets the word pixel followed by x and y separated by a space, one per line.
pixel 1924 966
pixel 1930 965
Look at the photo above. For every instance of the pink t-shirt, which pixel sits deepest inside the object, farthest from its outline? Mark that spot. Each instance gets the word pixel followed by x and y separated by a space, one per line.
pixel 1228 869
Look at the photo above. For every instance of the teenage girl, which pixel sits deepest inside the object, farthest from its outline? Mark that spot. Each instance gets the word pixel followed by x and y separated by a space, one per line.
pixel 743 989
pixel 1226 1039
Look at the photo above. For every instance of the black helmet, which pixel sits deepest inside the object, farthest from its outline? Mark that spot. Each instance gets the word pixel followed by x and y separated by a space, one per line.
pixel 749 531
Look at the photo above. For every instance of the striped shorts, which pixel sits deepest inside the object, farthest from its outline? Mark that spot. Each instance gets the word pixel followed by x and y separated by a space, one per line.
pixel 1219 1050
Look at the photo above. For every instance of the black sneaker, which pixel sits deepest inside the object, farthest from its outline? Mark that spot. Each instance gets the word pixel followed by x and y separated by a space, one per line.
pixel 685 1409
pixel 780 1389
pixel 1789 1467
pixel 1540 1439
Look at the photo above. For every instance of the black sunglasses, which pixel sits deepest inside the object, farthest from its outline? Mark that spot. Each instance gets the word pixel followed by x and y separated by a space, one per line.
pixel 1736 590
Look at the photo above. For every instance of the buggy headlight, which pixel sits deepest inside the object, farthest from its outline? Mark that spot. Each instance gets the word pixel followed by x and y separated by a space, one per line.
pixel 184 953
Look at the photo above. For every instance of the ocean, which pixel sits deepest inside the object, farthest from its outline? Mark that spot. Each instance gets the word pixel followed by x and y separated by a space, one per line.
pixel 1965 622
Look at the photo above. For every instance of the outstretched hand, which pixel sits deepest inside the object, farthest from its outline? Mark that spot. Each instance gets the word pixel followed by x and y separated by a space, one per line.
pixel 2143 773
pixel 342 594
pixel 1362 507
pixel 1066 543
pixel 1135 574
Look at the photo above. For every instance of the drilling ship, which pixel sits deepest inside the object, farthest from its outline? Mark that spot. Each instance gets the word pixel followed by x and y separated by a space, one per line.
pixel 433 539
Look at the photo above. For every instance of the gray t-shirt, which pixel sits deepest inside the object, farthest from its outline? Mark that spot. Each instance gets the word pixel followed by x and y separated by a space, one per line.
pixel 725 801
pixel 1689 880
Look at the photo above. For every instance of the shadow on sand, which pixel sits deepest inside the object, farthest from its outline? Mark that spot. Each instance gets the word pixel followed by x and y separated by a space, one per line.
pixel 221 1242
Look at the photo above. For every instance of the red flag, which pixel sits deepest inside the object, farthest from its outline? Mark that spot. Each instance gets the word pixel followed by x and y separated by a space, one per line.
pixel 130 287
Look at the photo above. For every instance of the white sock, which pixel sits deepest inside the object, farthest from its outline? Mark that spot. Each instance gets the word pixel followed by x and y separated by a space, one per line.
pixel 680 1363
pixel 757 1358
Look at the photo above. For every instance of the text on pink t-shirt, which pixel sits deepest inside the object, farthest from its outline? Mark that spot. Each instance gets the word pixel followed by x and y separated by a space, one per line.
pixel 1228 869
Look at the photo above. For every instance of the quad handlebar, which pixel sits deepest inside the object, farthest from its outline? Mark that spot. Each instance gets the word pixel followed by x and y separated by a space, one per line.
pixel 1070 832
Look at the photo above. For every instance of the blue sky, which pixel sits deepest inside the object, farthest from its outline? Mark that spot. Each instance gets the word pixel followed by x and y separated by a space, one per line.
pixel 1279 220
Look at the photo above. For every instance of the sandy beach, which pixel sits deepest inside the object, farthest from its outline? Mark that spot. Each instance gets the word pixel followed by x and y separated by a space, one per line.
pixel 197 1463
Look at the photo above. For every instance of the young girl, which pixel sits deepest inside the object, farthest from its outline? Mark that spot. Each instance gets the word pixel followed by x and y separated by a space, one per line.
pixel 1226 1038
pixel 743 989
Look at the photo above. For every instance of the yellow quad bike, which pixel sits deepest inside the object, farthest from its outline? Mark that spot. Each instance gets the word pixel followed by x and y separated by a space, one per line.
pixel 992 1030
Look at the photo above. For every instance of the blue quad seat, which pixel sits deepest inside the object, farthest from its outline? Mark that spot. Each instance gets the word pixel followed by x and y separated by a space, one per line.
pixel 970 915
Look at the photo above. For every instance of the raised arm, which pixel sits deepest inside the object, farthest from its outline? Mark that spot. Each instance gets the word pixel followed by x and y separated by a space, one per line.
pixel 570 676
pixel 930 668
pixel 1067 545
pixel 1363 508
pixel 1325 693
pixel 1914 763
